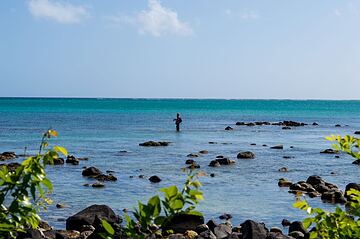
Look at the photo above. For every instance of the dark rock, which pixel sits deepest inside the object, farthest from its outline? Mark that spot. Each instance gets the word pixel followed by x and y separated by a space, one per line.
pixel 283 169
pixel 264 145
pixel 192 155
pixel 225 216
pixel 69 234
pixel 253 144
pixel 91 172
pixel 337 125
pixel 228 128
pixel 337 156
pixel 296 187
pixel 225 161
pixel 280 146
pixel 253 230
pixel 60 205
pixel 315 180
pixel 240 123
pixel 333 196
pixel 193 166
pixel 85 228
pixel 277 235
pixel 97 185
pixel 154 179
pixel 276 230
pixel 313 194
pixel 235 235
pixel 214 163
pixel 88 215
pixel 72 160
pixel 288 157
pixel 201 228
pixel 329 151
pixel 212 175
pixel 297 235
pixel 211 142
pixel 203 152
pixel 222 231
pixel 7 156
pixel 154 143
pixel 284 183
pixel 246 155
pixel 357 132
pixel 285 223
pixel 219 156
pixel 315 124
pixel 211 225
pixel 83 158
pixel 190 161
pixel 56 161
pixel 286 127
pixel 298 226
pixel 176 236
pixel 180 223
pixel 206 235
pixel 103 177
pixel 356 162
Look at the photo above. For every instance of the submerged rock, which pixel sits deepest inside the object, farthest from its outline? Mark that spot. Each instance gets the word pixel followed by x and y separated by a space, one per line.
pixel 91 172
pixel 154 143
pixel 280 146
pixel 154 179
pixel 329 151
pixel 228 128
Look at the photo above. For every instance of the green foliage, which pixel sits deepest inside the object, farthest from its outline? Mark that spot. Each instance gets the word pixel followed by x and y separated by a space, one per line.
pixel 340 224
pixel 148 216
pixel 348 144
pixel 23 193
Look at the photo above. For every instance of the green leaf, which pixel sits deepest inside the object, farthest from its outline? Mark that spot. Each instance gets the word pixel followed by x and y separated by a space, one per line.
pixel 61 150
pixel 48 184
pixel 107 227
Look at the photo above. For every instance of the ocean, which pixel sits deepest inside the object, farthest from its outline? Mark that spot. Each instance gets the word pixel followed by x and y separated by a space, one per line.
pixel 102 129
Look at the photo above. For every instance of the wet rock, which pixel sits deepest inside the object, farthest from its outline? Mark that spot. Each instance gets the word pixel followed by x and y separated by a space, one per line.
pixel 284 183
pixel 214 163
pixel 83 158
pixel 154 179
pixel 225 216
pixel 329 151
pixel 154 143
pixel 315 180
pixel 219 156
pixel 264 145
pixel 85 228
pixel 288 157
pixel 228 128
pixel 253 144
pixel 253 230
pixel 88 216
pixel 286 127
pixel 333 196
pixel 97 185
pixel 201 228
pixel 240 123
pixel 180 223
pixel 235 235
pixel 190 161
pixel 337 156
pixel 60 205
pixel 246 155
pixel 356 162
pixel 110 171
pixel 277 235
pixel 222 231
pixel 203 152
pixel 285 223
pixel 315 124
pixel 72 160
pixel 283 169
pixel 104 177
pixel 211 142
pixel 337 125
pixel 357 132
pixel 280 146
pixel 212 175
pixel 56 161
pixel 298 226
pixel 224 161
pixel 7 156
pixel 314 194
pixel 91 172
pixel 192 155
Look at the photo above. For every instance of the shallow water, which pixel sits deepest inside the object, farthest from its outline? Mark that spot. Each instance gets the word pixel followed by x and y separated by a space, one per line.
pixel 101 128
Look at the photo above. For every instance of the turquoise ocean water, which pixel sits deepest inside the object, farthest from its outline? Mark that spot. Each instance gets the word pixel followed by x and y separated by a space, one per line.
pixel 101 128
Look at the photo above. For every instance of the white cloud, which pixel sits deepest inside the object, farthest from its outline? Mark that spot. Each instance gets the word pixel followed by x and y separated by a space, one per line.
pixel 157 20
pixel 58 11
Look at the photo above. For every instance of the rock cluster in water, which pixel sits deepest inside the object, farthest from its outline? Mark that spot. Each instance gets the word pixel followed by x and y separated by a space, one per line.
pixel 154 143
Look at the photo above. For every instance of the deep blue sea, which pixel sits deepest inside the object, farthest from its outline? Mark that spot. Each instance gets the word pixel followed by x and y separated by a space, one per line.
pixel 101 128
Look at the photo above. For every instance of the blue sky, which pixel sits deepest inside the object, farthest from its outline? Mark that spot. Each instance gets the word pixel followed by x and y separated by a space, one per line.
pixel 175 48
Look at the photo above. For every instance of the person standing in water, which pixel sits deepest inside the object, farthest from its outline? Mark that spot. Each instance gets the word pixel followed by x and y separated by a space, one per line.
pixel 178 121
